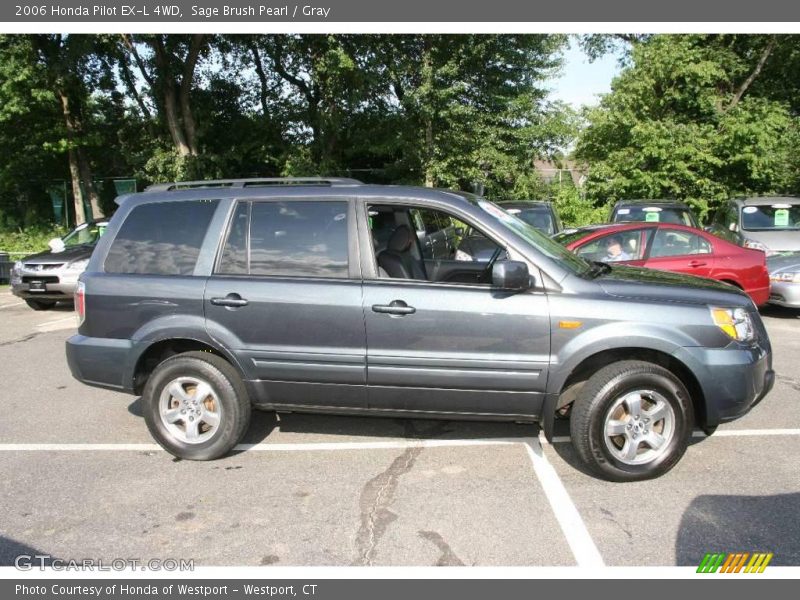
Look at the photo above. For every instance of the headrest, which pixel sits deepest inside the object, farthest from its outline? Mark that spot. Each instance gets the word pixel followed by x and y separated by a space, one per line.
pixel 400 240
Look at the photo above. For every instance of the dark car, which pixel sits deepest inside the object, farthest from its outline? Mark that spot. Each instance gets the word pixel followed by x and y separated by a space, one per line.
pixel 208 298
pixel 45 278
pixel 653 211
pixel 675 248
pixel 539 214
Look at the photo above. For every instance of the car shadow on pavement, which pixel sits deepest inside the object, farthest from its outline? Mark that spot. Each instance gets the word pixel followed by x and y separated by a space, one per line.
pixel 11 551
pixel 779 312
pixel 729 524
pixel 263 423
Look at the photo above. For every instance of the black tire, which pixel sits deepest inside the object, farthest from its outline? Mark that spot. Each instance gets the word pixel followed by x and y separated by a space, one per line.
pixel 225 382
pixel 602 392
pixel 40 304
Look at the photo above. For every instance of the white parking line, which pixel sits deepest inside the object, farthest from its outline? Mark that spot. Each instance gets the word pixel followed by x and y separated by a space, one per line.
pixel 11 304
pixel 569 519
pixel 56 324
pixel 563 439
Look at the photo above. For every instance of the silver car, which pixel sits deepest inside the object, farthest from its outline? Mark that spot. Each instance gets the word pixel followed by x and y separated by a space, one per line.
pixel 784 278
pixel 45 278
pixel 771 224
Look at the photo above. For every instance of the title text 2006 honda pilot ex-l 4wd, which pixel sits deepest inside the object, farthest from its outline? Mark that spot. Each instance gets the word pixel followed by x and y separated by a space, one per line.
pixel 320 295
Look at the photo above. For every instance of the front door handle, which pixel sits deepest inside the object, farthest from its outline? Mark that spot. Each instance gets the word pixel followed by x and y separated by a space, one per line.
pixel 396 307
pixel 231 301
pixel 697 263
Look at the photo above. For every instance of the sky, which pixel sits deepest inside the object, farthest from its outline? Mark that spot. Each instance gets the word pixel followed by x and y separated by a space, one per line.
pixel 581 81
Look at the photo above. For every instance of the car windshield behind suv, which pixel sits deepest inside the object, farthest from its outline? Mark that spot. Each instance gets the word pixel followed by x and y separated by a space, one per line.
pixel 654 213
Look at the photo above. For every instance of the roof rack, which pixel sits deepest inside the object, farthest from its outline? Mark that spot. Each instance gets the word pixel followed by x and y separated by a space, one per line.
pixel 254 182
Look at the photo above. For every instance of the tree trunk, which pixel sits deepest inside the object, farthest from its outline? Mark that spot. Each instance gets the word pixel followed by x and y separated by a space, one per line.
pixel 262 77
pixel 77 193
pixel 85 170
pixel 428 83
pixel 189 125
pixel 80 170
pixel 173 120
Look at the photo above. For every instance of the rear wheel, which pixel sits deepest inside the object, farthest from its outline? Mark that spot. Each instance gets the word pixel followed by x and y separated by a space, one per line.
pixel 631 421
pixel 40 304
pixel 196 406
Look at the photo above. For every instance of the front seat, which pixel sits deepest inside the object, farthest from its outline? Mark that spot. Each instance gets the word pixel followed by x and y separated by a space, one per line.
pixel 397 260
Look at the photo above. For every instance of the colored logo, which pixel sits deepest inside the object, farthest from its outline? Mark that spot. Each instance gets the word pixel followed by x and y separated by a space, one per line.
pixel 735 562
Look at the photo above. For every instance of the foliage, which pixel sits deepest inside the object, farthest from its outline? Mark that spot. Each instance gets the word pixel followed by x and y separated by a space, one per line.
pixel 684 120
pixel 30 239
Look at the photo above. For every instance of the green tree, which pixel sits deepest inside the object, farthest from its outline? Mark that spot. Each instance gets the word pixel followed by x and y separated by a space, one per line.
pixel 684 120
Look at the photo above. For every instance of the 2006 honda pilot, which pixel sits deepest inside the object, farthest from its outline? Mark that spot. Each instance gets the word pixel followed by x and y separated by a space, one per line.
pixel 320 295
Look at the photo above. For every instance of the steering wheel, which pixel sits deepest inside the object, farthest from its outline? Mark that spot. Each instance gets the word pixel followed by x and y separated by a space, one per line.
pixel 488 269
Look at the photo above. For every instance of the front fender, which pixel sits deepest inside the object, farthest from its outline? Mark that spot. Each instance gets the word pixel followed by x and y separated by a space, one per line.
pixel 572 351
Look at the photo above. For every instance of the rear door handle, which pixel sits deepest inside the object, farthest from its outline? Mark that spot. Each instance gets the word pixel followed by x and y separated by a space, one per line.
pixel 396 307
pixel 231 301
pixel 697 263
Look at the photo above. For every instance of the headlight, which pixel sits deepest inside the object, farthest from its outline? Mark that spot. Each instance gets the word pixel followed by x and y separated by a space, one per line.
pixel 748 243
pixel 78 266
pixel 790 277
pixel 16 273
pixel 735 322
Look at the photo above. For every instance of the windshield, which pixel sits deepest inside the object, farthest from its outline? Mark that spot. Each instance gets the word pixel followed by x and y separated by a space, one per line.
pixel 84 234
pixel 539 218
pixel 654 214
pixel 776 216
pixel 537 239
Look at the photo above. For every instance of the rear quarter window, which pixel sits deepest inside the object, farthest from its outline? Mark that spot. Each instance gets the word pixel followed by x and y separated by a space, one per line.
pixel 161 238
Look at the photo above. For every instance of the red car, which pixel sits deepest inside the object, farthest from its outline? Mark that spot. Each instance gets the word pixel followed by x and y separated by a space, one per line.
pixel 672 247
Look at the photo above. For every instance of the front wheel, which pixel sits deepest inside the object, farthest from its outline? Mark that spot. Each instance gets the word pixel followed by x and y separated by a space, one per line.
pixel 196 406
pixel 631 421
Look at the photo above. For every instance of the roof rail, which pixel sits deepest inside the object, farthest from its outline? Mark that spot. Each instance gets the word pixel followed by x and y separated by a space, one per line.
pixel 254 182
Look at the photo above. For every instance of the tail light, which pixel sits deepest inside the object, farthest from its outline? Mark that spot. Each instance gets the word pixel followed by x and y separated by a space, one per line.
pixel 80 302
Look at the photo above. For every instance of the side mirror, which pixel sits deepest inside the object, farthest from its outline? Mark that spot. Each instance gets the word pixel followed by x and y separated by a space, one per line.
pixel 56 245
pixel 511 275
pixel 733 227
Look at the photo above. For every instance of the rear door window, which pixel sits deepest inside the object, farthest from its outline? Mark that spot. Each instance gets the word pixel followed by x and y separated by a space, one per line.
pixel 674 242
pixel 161 238
pixel 297 238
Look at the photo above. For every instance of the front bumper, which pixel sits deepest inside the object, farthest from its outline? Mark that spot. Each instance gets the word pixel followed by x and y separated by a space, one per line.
pixel 64 291
pixel 733 379
pixel 785 293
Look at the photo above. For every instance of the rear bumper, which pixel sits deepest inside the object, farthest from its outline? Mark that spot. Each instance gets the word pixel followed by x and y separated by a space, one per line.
pixel 98 361
pixel 760 295
pixel 733 379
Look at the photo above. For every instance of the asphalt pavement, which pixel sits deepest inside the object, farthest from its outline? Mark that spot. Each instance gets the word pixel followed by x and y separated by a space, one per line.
pixel 80 478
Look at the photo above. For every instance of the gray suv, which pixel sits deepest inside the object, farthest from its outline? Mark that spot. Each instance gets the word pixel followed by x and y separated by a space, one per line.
pixel 207 298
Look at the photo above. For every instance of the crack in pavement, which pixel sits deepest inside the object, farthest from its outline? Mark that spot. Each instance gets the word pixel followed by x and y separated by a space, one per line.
pixel 378 494
pixel 793 383
pixel 26 338
pixel 448 558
